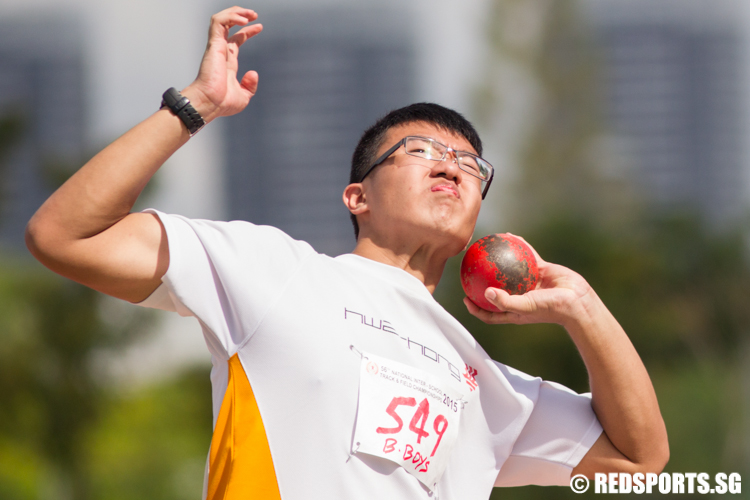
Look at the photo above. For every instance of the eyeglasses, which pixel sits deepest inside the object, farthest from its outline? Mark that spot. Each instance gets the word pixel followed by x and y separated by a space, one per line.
pixel 430 149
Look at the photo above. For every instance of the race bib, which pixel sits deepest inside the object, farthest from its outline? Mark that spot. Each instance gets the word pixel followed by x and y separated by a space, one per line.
pixel 407 416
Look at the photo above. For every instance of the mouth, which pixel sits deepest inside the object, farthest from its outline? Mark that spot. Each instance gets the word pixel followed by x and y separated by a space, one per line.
pixel 447 188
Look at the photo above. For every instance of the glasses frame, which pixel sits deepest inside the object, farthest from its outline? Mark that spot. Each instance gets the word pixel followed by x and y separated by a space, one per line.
pixel 402 142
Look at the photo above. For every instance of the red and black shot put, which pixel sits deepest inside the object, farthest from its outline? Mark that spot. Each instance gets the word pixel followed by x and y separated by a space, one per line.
pixel 498 261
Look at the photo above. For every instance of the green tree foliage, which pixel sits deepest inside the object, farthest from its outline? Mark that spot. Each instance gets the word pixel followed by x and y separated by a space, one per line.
pixel 50 392
pixel 65 431
pixel 11 130
pixel 152 443
pixel 55 404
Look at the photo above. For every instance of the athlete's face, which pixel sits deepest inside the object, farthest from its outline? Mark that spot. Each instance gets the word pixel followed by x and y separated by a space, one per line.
pixel 424 199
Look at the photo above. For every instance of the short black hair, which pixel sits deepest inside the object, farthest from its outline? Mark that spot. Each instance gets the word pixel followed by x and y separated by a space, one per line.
pixel 434 114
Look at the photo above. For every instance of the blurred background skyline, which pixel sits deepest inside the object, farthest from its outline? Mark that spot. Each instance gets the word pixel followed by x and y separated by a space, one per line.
pixel 618 129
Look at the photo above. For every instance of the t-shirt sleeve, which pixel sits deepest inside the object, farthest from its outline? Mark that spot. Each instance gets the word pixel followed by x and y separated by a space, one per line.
pixel 226 274
pixel 561 428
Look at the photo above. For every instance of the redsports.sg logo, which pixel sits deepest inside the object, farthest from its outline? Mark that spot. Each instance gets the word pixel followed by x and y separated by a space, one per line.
pixel 675 482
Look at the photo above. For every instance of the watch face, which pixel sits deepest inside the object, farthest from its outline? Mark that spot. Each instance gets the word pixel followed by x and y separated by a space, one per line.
pixel 171 97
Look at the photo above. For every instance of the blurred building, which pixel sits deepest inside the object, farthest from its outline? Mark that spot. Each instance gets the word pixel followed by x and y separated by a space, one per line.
pixel 325 75
pixel 674 94
pixel 42 109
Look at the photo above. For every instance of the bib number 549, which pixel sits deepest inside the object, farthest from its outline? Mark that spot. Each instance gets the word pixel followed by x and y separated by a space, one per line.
pixel 418 421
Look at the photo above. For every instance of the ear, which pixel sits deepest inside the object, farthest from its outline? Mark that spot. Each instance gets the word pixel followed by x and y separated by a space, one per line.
pixel 354 198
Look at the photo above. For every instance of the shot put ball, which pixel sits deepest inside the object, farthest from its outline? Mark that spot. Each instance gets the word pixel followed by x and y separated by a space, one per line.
pixel 498 261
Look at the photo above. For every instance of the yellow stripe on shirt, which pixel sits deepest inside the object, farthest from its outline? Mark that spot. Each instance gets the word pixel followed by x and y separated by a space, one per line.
pixel 240 463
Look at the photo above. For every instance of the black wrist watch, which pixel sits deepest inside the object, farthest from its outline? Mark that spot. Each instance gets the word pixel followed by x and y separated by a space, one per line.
pixel 180 106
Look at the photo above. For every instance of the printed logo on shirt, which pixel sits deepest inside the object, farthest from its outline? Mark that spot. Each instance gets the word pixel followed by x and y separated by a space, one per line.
pixel 469 375
pixel 411 345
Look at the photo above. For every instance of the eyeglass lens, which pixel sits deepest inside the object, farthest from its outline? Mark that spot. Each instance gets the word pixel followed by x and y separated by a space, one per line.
pixel 433 150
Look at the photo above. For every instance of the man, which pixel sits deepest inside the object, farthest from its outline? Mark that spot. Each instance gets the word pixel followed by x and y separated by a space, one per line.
pixel 342 377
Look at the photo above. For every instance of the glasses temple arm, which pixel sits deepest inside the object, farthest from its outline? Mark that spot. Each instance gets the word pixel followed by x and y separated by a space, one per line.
pixel 382 158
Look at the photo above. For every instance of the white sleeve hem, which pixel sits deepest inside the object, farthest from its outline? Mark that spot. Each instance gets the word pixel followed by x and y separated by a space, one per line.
pixel 524 471
pixel 587 441
pixel 159 299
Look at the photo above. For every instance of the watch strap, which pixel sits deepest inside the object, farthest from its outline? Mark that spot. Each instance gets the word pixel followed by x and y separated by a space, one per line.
pixel 180 106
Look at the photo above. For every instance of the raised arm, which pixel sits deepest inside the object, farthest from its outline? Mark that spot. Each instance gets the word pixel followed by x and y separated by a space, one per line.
pixel 85 230
pixel 634 438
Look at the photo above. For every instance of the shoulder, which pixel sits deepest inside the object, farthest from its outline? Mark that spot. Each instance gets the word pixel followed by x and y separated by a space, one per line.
pixel 228 236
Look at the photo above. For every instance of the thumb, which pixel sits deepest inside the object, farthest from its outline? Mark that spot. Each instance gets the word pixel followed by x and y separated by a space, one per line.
pixel 250 82
pixel 520 304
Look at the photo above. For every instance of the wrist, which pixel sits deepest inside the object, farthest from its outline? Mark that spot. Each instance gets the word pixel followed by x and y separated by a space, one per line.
pixel 181 107
pixel 587 314
pixel 582 310
pixel 202 104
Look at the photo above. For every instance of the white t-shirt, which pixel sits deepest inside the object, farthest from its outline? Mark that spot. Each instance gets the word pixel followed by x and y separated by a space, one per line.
pixel 342 352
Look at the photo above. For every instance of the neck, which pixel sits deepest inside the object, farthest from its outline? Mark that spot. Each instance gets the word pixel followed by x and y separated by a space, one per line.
pixel 421 261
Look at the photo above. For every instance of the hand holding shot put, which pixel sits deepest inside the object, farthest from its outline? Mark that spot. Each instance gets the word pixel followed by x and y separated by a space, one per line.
pixel 519 287
pixel 301 407
pixel 562 296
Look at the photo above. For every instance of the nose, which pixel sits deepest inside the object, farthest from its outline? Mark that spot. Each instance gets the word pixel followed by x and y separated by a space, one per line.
pixel 448 167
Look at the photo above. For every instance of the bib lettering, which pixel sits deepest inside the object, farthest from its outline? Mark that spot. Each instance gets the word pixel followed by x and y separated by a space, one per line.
pixel 407 416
